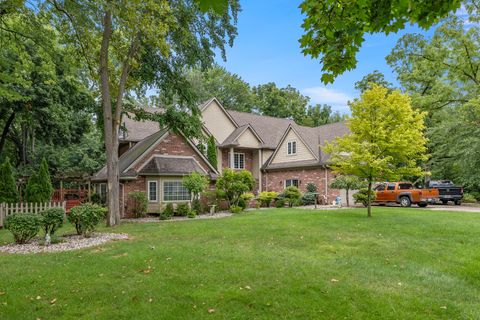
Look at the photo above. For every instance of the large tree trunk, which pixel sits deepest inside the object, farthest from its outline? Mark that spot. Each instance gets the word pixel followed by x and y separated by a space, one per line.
pixel 346 194
pixel 111 141
pixel 369 199
pixel 3 138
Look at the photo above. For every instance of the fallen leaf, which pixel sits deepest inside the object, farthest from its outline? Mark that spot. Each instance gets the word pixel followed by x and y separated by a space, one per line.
pixel 443 307
pixel 38 297
pixel 211 310
pixel 2 293
pixel 334 280
pixel 248 288
pixel 53 301
pixel 150 300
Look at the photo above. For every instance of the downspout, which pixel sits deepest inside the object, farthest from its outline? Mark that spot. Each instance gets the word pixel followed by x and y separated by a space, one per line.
pixel 326 184
pixel 123 200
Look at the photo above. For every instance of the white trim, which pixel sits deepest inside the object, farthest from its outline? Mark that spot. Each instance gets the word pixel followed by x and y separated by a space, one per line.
pixel 136 161
pixel 293 153
pixel 285 183
pixel 242 153
pixel 156 189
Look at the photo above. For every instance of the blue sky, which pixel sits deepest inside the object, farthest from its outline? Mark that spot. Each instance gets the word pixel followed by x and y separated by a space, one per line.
pixel 267 50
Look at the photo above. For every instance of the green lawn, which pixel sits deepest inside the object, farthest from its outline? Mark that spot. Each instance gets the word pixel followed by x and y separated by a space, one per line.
pixel 275 264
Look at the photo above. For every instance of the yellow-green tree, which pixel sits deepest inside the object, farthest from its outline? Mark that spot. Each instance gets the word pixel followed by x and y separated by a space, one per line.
pixel 386 140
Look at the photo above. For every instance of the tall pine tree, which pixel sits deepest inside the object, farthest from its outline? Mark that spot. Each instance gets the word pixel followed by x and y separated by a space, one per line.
pixel 212 152
pixel 8 189
pixel 39 186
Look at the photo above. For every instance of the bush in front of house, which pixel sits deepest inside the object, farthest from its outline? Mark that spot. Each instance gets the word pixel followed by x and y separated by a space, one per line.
pixel 361 196
pixel 23 226
pixel 311 187
pixel 231 185
pixel 197 206
pixel 235 209
pixel 280 203
pixel 182 209
pixel 52 220
pixel 292 195
pixel 139 202
pixel 266 197
pixel 192 214
pixel 86 217
pixel 309 198
pixel 167 213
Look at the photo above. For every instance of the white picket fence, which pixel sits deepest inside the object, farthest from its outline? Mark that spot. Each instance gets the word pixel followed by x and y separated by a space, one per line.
pixel 7 209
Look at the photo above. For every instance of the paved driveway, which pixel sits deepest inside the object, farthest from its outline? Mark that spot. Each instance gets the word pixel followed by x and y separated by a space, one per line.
pixel 462 208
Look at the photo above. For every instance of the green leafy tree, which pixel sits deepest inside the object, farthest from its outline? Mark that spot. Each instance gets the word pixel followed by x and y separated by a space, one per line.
pixel 212 152
pixel 195 183
pixel 386 140
pixel 229 88
pixel 8 188
pixel 128 47
pixel 285 102
pixel 347 183
pixel 318 115
pixel 335 30
pixel 39 186
pixel 376 77
pixel 232 184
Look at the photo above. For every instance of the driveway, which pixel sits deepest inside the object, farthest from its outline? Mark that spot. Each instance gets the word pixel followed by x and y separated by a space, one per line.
pixel 462 208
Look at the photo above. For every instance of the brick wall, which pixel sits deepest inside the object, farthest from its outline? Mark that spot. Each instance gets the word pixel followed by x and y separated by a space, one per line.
pixel 275 180
pixel 248 158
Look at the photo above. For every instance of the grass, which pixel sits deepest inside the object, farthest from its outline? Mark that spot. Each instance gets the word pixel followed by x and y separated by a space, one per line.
pixel 275 264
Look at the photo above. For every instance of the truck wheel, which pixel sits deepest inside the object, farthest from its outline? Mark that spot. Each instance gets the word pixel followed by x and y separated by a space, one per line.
pixel 405 202
pixel 458 202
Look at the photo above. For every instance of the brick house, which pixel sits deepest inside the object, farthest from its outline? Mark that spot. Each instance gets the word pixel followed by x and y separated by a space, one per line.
pixel 278 152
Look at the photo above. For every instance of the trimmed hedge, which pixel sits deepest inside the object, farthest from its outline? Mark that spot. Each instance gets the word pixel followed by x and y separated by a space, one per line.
pixel 23 226
pixel 52 220
pixel 86 217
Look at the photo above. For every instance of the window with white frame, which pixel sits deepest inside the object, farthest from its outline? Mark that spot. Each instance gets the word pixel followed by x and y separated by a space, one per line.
pixel 239 160
pixel 175 191
pixel 152 191
pixel 292 147
pixel 103 191
pixel 291 182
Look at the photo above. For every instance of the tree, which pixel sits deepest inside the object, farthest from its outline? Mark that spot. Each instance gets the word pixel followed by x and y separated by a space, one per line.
pixel 195 183
pixel 386 140
pixel 127 47
pixel 212 152
pixel 318 115
pixel 8 188
pixel 347 183
pixel 229 88
pixel 376 77
pixel 441 75
pixel 280 102
pixel 334 30
pixel 232 184
pixel 39 186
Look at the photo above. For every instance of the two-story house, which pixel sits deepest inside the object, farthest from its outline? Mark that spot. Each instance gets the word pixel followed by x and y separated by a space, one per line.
pixel 278 152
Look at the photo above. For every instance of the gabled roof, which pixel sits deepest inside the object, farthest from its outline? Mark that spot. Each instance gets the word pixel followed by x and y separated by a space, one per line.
pixel 232 139
pixel 139 130
pixel 171 165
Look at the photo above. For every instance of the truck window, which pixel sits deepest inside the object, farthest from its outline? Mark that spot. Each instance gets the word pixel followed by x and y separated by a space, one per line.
pixel 391 186
pixel 405 186
pixel 380 187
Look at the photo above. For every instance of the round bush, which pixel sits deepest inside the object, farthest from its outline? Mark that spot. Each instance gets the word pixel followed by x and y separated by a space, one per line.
pixel 182 209
pixel 167 213
pixel 52 220
pixel 23 226
pixel 138 203
pixel 86 217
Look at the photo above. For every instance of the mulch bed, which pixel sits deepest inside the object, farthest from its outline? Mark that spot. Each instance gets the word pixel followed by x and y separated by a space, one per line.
pixel 68 243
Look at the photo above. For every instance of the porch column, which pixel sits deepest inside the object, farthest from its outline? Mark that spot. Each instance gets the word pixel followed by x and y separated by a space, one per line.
pixel 260 170
pixel 232 159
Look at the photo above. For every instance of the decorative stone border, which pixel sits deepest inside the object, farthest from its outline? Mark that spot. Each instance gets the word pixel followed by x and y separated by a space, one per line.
pixel 202 216
pixel 69 242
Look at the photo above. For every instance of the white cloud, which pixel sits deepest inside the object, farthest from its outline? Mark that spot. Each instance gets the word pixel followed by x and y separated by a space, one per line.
pixel 337 99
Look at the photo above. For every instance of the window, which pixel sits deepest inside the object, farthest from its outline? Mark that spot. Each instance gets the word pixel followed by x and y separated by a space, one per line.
pixel 405 186
pixel 391 186
pixel 380 187
pixel 291 182
pixel 292 147
pixel 103 191
pixel 175 191
pixel 152 191
pixel 239 160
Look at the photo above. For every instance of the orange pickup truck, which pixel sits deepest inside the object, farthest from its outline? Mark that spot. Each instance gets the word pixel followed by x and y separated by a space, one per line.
pixel 404 193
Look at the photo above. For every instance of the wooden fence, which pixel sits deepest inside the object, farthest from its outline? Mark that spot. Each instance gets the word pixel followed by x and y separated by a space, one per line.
pixel 7 209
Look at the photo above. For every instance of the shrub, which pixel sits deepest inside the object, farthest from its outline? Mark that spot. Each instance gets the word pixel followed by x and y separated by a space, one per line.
pixel 197 206
pixel 23 226
pixel 311 187
pixel 52 220
pixel 195 183
pixel 86 217
pixel 8 188
pixel 232 184
pixel 242 203
pixel 361 196
pixel 469 198
pixel 212 152
pixel 39 186
pixel 266 197
pixel 182 209
pixel 280 203
pixel 291 194
pixel 192 214
pixel 235 209
pixel 139 203
pixel 96 198
pixel 167 213
pixel 309 198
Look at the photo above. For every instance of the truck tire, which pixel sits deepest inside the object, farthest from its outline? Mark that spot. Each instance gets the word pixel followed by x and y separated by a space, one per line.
pixel 405 201
pixel 458 202
pixel 422 204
